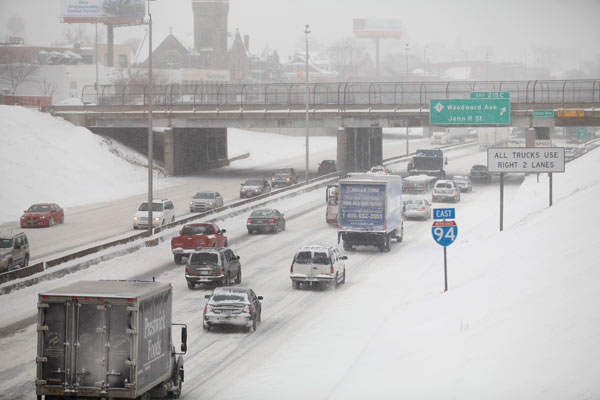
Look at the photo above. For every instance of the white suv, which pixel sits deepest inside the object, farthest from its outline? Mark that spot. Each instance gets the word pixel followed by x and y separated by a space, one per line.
pixel 445 190
pixel 163 212
pixel 319 265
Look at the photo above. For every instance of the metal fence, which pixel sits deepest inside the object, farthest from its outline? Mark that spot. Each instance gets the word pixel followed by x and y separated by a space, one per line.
pixel 342 95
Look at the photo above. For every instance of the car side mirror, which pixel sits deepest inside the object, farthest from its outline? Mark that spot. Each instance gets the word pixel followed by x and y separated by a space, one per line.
pixel 260 297
pixel 207 296
pixel 446 163
pixel 237 257
pixel 343 257
pixel 184 339
pixel 223 230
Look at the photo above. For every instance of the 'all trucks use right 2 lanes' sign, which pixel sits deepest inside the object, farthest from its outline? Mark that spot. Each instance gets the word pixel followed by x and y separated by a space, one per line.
pixel 526 159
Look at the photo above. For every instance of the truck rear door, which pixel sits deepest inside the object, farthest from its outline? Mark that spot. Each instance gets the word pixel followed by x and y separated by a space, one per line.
pixel 85 344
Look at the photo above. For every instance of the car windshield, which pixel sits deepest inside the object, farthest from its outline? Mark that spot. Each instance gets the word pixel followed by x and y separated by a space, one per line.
pixel 39 208
pixel 155 207
pixel 5 243
pixel 253 182
pixel 229 298
pixel 204 258
pixel 443 185
pixel 307 257
pixel 261 213
pixel 204 195
pixel 197 230
pixel 415 201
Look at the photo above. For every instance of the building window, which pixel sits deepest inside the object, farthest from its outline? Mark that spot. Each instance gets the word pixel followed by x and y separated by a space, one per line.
pixel 123 60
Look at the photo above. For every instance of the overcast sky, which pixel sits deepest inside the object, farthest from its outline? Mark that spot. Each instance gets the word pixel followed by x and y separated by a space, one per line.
pixel 512 30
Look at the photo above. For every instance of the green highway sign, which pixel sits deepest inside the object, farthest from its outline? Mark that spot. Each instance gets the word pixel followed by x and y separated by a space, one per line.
pixel 543 113
pixel 469 111
pixel 581 132
pixel 490 95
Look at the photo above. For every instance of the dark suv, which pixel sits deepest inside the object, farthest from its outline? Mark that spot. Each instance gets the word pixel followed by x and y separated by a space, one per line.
pixel 480 173
pixel 284 177
pixel 14 250
pixel 326 167
pixel 213 265
pixel 254 187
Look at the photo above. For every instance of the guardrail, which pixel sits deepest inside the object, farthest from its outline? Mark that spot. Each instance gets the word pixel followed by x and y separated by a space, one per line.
pixel 153 241
pixel 341 94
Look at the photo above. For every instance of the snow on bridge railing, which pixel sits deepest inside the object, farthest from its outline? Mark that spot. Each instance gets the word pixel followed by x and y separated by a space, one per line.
pixel 341 95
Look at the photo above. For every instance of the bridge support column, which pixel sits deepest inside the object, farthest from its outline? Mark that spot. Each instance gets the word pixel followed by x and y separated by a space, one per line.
pixel 358 149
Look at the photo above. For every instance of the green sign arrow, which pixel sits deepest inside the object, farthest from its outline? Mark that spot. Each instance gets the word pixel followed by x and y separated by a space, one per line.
pixel 490 95
pixel 469 111
pixel 543 113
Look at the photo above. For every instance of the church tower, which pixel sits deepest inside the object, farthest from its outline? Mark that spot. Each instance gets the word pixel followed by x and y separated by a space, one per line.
pixel 210 32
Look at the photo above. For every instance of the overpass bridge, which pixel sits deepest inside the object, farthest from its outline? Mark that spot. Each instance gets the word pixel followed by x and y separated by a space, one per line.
pixel 198 115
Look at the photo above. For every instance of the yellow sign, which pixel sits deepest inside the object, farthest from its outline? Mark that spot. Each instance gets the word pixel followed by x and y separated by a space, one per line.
pixel 570 113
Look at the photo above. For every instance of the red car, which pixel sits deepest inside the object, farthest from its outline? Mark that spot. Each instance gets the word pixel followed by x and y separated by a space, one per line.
pixel 192 236
pixel 44 214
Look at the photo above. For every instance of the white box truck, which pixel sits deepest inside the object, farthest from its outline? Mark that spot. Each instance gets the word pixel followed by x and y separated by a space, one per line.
pixel 370 211
pixel 108 339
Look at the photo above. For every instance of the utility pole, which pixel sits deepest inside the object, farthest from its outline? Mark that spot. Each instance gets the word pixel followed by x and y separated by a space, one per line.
pixel 406 61
pixel 150 139
pixel 306 32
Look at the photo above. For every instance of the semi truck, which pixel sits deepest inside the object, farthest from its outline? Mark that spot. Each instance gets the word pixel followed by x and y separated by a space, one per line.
pixel 370 211
pixel 428 162
pixel 108 339
pixel 488 137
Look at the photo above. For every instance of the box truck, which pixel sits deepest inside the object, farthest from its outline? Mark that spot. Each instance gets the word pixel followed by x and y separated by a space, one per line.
pixel 108 339
pixel 370 211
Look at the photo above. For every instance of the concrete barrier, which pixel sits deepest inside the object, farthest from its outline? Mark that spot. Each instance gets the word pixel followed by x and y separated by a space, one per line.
pixel 21 272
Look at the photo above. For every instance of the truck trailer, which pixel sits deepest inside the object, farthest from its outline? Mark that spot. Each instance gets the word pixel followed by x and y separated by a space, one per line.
pixel 370 211
pixel 108 339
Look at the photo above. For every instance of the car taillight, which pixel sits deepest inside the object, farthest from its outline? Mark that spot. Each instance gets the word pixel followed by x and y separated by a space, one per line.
pixel 292 268
pixel 422 208
pixel 205 307
pixel 223 269
pixel 271 221
pixel 332 268
pixel 249 221
pixel 249 309
pixel 453 192
pixel 187 270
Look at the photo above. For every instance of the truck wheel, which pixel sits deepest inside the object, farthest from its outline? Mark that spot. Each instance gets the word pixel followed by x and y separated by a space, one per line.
pixel 238 279
pixel 386 243
pixel 177 383
pixel 205 326
pixel 9 266
pixel 227 280
pixel 26 261
pixel 50 221
pixel 348 246
pixel 336 282
pixel 295 285
pixel 344 277
pixel 191 285
pixel 178 258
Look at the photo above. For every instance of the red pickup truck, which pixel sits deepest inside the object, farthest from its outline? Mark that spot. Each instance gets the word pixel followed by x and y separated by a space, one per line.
pixel 191 236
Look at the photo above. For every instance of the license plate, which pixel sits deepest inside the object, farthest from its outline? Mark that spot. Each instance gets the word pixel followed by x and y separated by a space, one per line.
pixel 227 313
pixel 203 272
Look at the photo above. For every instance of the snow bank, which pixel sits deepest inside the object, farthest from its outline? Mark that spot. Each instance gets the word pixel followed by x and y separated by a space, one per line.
pixel 46 159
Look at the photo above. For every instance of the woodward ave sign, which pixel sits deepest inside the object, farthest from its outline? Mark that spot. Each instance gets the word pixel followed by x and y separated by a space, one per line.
pixel 526 159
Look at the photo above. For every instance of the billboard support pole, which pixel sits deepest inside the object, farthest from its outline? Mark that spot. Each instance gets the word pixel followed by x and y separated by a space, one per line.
pixel 501 201
pixel 96 57
pixel 110 45
pixel 150 136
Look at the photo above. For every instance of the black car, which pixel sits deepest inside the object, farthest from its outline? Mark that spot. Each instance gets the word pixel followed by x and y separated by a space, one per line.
pixel 266 220
pixel 254 187
pixel 326 167
pixel 234 306
pixel 480 173
pixel 284 177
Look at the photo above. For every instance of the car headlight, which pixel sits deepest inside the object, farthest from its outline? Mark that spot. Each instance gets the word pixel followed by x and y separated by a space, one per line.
pixel 135 218
pixel 191 203
pixel 243 190
pixel 210 203
pixel 43 217
pixel 157 218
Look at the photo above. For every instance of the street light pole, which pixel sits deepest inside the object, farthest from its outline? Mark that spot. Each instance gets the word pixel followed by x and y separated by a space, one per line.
pixel 306 32
pixel 96 57
pixel 150 139
pixel 466 73
pixel 406 61
pixel 424 58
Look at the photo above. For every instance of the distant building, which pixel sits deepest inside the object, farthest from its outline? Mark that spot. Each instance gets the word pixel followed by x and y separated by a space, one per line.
pixel 320 69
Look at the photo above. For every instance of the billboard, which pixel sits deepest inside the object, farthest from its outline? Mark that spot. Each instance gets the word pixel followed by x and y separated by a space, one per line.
pixel 103 11
pixel 377 28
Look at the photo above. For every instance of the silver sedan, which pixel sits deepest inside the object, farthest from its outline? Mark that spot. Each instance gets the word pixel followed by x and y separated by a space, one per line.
pixel 418 208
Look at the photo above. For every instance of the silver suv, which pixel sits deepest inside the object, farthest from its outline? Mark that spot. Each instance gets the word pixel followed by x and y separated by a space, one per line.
pixel 445 190
pixel 14 250
pixel 319 265
pixel 217 265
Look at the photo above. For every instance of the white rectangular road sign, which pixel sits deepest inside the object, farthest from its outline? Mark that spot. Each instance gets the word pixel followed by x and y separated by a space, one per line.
pixel 526 159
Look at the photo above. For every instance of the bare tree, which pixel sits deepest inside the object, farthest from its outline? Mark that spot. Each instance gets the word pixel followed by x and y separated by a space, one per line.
pixel 47 88
pixel 13 70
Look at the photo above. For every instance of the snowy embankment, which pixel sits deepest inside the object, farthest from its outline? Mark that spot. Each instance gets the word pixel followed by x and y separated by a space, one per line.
pixel 47 159
pixel 519 319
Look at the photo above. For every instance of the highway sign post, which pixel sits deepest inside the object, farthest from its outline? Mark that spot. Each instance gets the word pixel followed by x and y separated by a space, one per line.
pixel 495 111
pixel 444 233
pixel 527 160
